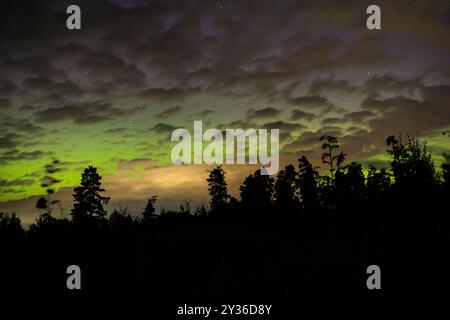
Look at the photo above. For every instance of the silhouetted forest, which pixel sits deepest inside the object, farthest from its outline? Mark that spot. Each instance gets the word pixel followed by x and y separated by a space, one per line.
pixel 300 235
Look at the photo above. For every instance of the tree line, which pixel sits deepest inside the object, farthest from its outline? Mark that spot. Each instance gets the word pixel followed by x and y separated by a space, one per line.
pixel 305 233
pixel 296 190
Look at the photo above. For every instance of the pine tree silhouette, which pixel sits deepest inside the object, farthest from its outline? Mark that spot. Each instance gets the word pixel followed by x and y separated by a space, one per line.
pixel 149 210
pixel 256 193
pixel 218 190
pixel 307 183
pixel 88 203
pixel 285 190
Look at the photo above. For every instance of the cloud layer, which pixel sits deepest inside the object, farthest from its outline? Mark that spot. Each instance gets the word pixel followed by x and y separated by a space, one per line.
pixel 113 91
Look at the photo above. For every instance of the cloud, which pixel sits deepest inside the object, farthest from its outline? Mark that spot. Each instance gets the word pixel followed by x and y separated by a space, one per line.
pixel 402 114
pixel 333 120
pixel 375 103
pixel 9 140
pixel 311 102
pixel 16 182
pixel 230 62
pixel 161 94
pixel 330 85
pixel 6 87
pixel 204 114
pixel 162 128
pixel 169 112
pixel 15 155
pixel 27 107
pixel 284 126
pixel 116 130
pixel 22 125
pixel 81 112
pixel 65 88
pixel 269 112
pixel 359 116
pixel 4 103
pixel 391 84
pixel 298 114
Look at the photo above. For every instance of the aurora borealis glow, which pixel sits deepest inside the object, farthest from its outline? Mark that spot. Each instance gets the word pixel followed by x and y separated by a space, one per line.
pixel 111 93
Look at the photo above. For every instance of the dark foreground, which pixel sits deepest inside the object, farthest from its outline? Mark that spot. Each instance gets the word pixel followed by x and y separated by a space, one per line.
pixel 188 258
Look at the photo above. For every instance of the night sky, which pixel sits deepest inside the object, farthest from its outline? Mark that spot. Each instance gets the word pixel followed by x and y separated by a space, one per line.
pixel 111 93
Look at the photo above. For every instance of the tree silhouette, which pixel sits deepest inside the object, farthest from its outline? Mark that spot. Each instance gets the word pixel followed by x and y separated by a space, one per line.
pixel 412 165
pixel 185 208
pixel 307 183
pixel 149 210
pixel 218 190
pixel 330 145
pixel 201 211
pixel 350 185
pixel 121 220
pixel 10 227
pixel 446 171
pixel 378 184
pixel 285 190
pixel 88 203
pixel 256 193
pixel 350 220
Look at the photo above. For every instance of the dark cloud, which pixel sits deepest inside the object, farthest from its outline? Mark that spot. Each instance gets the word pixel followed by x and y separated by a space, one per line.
pixel 14 154
pixel 381 105
pixel 27 107
pixel 401 114
pixel 283 126
pixel 16 182
pixel 81 112
pixel 162 128
pixel 169 112
pixel 161 94
pixel 204 114
pixel 331 121
pixel 322 86
pixel 6 87
pixel 359 116
pixel 307 141
pixel 9 140
pixel 389 83
pixel 4 103
pixel 262 113
pixel 116 130
pixel 60 89
pixel 298 114
pixel 313 102
pixel 357 131
pixel 12 190
pixel 331 130
pixel 244 55
pixel 22 125
pixel 237 124
pixel 170 51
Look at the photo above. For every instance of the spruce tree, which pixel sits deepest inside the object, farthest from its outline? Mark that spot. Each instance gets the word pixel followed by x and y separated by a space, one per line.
pixel 218 190
pixel 149 210
pixel 88 201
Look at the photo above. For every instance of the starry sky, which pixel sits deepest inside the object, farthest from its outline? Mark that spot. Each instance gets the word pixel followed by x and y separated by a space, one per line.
pixel 111 93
